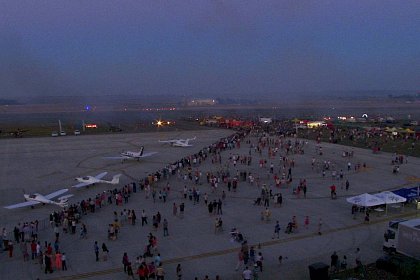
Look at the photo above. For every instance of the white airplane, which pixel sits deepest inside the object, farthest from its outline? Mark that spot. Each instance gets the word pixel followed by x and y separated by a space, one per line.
pixel 90 180
pixel 36 198
pixel 178 142
pixel 133 155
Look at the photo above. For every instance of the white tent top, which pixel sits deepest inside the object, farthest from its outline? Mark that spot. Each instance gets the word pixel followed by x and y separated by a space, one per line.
pixel 390 197
pixel 365 200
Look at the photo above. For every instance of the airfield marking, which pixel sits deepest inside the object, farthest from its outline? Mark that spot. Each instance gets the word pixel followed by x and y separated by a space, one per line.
pixel 233 250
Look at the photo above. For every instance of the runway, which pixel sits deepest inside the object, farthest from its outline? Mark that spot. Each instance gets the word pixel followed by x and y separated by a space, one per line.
pixel 46 164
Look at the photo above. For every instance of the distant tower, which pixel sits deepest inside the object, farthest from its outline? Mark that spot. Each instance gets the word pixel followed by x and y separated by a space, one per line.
pixel 59 125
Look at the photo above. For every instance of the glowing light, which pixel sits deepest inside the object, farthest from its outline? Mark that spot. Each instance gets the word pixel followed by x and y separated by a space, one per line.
pixel 91 125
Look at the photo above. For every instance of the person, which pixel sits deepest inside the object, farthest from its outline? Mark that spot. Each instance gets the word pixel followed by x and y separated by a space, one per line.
pixel 179 271
pixel 259 260
pixel 165 227
pixel 160 273
pixel 143 218
pixel 58 261
pixel 105 252
pixel 143 272
pixel 334 262
pixel 343 264
pixel 96 248
pixel 218 225
pixel 125 261
pixel 158 260
pixel 247 273
pixel 64 261
pixel 367 218
pixel 276 230
pixel 240 260
pixel 47 262
pixel 358 258
pixel 130 274
pixel 174 209
pixel 306 222
pixel 10 248
pixel 320 226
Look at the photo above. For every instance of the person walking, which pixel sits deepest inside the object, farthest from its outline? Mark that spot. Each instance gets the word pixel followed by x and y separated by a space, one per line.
pixel 276 230
pixel 240 260
pixel 130 274
pixel 125 261
pixel 174 209
pixel 143 218
pixel 105 252
pixel 96 248
pixel 247 273
pixel 259 261
pixel 160 273
pixel 179 271
pixel 306 222
pixel 64 261
pixel 165 227
pixel 334 262
pixel 320 226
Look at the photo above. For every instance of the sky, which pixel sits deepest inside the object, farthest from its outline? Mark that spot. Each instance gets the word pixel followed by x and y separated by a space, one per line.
pixel 207 48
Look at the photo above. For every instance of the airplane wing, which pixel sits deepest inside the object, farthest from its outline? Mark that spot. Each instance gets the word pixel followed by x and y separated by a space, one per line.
pixel 148 154
pixel 81 185
pixel 168 141
pixel 56 193
pixel 118 157
pixel 101 175
pixel 23 204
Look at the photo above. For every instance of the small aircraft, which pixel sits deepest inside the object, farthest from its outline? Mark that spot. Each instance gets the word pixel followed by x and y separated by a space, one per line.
pixel 36 198
pixel 91 180
pixel 178 142
pixel 133 155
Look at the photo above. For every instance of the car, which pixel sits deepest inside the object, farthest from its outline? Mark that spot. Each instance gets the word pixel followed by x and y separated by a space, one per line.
pixel 63 133
pixel 77 132
pixel 54 134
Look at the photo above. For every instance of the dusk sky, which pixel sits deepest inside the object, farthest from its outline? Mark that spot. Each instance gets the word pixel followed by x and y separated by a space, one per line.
pixel 207 48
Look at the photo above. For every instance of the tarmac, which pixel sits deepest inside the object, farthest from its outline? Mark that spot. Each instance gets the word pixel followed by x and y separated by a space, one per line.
pixel 46 164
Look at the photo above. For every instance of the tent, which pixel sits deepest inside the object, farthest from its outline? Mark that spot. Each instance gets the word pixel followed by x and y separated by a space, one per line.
pixel 408 193
pixel 365 200
pixel 390 198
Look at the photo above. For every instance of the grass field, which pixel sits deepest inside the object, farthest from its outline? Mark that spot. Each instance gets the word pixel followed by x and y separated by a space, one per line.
pixel 398 145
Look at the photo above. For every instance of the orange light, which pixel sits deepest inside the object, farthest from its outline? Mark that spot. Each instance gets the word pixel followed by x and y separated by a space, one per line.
pixel 91 125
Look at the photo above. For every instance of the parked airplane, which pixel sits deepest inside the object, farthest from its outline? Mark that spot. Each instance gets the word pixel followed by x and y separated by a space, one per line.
pixel 133 155
pixel 91 180
pixel 178 142
pixel 36 198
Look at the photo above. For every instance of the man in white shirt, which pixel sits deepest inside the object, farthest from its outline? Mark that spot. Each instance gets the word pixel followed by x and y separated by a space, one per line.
pixel 247 273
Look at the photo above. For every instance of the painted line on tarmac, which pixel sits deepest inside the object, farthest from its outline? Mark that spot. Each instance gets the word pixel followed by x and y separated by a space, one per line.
pixel 233 250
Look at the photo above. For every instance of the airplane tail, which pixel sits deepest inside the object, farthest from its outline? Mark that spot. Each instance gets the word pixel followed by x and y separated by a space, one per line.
pixel 116 179
pixel 141 150
pixel 190 139
pixel 63 201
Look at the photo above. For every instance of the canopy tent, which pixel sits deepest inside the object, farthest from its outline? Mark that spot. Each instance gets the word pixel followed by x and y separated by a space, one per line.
pixel 365 200
pixel 390 198
pixel 408 193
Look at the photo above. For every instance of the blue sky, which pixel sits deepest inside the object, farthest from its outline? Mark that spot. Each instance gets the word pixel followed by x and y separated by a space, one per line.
pixel 208 48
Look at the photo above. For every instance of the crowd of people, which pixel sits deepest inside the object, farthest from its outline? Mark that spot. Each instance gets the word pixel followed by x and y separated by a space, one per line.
pixel 273 173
